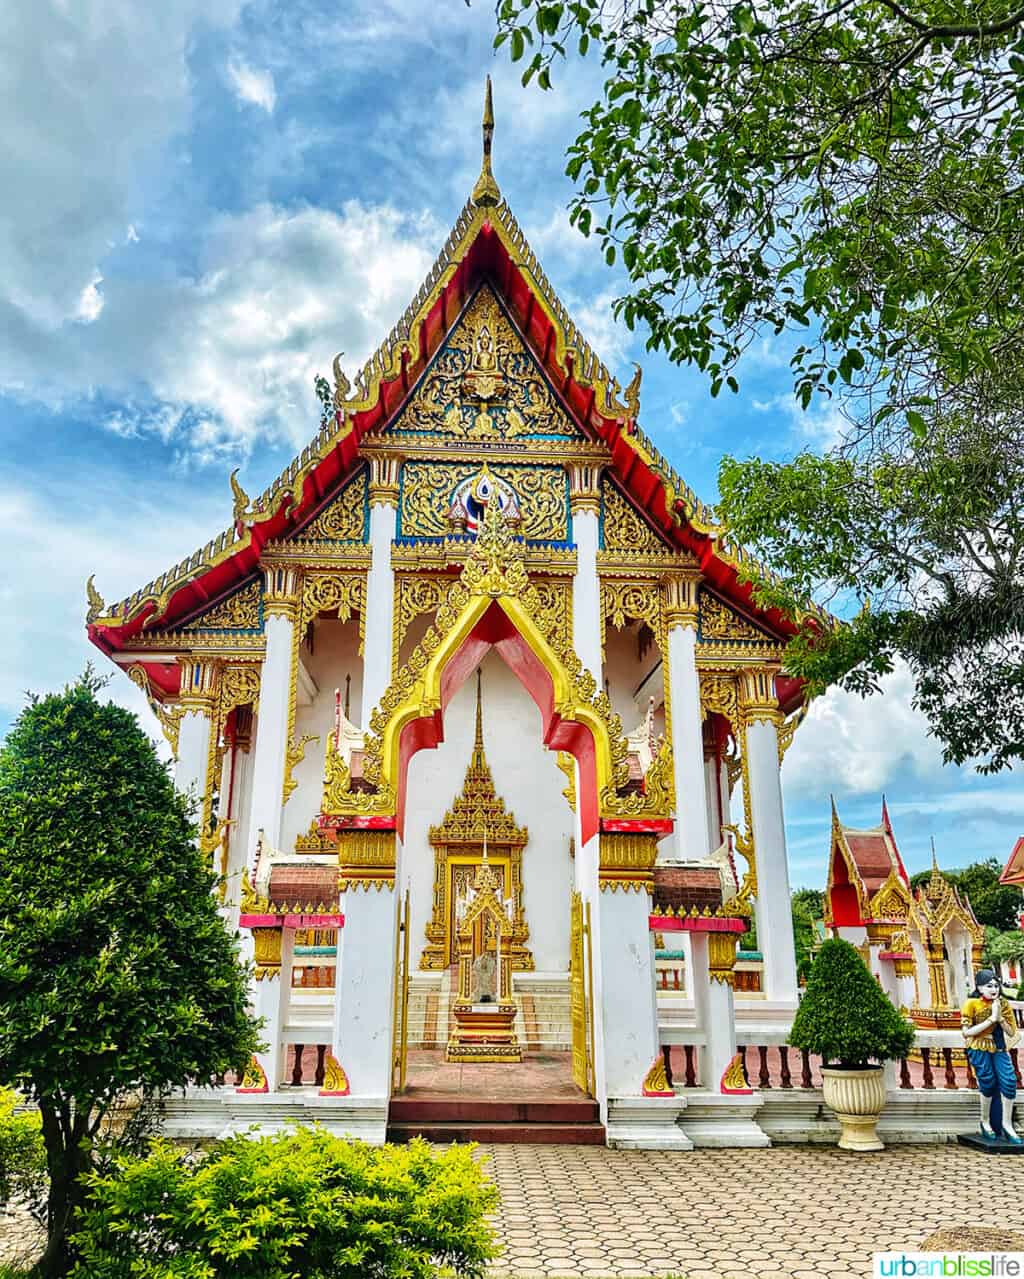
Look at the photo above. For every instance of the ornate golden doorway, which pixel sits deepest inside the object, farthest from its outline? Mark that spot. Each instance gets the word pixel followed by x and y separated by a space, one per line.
pixel 477 814
pixel 462 871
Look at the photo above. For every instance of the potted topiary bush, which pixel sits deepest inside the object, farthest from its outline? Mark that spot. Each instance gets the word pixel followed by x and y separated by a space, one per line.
pixel 847 1020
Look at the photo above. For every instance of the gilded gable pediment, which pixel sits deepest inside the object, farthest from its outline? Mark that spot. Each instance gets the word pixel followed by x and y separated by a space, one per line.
pixel 484 385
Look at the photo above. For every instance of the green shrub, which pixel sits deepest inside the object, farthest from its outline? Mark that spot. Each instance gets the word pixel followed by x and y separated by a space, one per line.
pixel 299 1203
pixel 845 1016
pixel 22 1154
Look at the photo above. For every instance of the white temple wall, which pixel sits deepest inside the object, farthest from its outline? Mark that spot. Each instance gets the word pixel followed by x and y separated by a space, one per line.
pixel 334 655
pixel 625 672
pixel 529 780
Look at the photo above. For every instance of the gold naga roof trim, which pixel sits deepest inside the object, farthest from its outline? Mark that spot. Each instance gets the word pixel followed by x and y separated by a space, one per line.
pixel 486 243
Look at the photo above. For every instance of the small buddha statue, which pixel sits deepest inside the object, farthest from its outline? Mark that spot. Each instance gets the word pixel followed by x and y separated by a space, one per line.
pixel 990 1032
pixel 484 358
pixel 485 972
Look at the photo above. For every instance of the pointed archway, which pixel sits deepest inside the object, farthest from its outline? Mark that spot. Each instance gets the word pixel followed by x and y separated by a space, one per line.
pixel 492 606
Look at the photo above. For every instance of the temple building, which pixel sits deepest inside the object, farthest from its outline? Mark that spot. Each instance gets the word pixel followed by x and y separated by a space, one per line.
pixel 477 707
pixel 924 945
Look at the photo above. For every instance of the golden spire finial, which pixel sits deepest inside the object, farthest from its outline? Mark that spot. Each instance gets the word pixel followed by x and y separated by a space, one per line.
pixel 486 190
pixel 478 742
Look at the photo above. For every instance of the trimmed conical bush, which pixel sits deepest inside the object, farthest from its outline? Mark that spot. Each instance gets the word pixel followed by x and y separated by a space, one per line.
pixel 844 1016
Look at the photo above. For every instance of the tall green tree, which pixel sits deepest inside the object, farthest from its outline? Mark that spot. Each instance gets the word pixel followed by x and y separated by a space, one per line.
pixel 850 173
pixel 118 980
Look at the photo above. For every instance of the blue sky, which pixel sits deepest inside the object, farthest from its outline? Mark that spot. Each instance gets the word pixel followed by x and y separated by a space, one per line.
pixel 203 203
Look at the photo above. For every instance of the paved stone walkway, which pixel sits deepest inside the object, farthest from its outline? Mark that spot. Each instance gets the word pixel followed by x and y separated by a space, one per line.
pixel 781 1213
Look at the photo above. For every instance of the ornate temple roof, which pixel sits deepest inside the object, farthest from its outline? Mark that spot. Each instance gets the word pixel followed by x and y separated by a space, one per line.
pixel 868 883
pixel 862 863
pixel 486 245
pixel 1014 871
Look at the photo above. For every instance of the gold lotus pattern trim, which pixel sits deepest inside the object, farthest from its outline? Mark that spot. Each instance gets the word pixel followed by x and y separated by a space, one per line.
pixel 169 718
pixel 541 491
pixel 415 595
pixel 340 594
pixel 240 611
pixel 624 530
pixel 484 384
pixel 344 519
pixel 719 622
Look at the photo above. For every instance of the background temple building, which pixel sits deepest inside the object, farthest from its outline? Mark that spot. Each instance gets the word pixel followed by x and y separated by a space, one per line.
pixel 480 611
pixel 923 945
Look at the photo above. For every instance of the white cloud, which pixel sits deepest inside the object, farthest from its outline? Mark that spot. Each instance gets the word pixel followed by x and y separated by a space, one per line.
pixel 90 300
pixel 92 92
pixel 124 535
pixel 229 353
pixel 609 337
pixel 255 87
pixel 857 745
pixel 819 427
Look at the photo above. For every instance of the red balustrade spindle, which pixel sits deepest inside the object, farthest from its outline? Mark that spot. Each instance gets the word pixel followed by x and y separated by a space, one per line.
pixel 666 1057
pixel 1015 1058
pixel 905 1074
pixel 926 1062
pixel 690 1073
pixel 787 1078
pixel 805 1069
pixel 764 1079
pixel 947 1058
pixel 321 1052
pixel 971 1081
pixel 297 1067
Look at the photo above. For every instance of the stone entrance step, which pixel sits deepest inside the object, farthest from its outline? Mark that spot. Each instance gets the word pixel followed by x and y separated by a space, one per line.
pixel 532 1122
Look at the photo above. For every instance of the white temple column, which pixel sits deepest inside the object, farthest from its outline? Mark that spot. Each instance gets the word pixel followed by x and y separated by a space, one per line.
pixel 640 1107
pixel 365 974
pixel 197 697
pixel 761 717
pixel 585 505
pixel 714 956
pixel 692 835
pixel 380 581
pixel 280 604
pixel 271 996
pixel 627 1007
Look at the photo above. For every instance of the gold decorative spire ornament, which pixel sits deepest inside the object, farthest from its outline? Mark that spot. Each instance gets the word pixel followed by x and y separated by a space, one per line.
pixel 240 511
pixel 486 192
pixel 96 603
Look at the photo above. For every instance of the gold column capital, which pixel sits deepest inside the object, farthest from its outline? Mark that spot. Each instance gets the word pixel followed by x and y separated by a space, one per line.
pixel 281 588
pixel 585 486
pixel 384 471
pixel 680 589
pixel 722 957
pixel 758 702
pixel 366 859
pixel 627 861
pixel 200 683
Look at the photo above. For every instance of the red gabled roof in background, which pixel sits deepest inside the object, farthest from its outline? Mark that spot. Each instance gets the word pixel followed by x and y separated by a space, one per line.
pixel 860 863
pixel 486 245
pixel 1014 872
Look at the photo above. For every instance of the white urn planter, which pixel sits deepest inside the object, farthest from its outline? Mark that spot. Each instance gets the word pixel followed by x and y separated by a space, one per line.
pixel 858 1098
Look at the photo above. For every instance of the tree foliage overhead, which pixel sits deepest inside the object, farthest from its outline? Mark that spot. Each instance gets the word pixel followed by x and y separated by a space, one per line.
pixel 117 977
pixel 849 172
